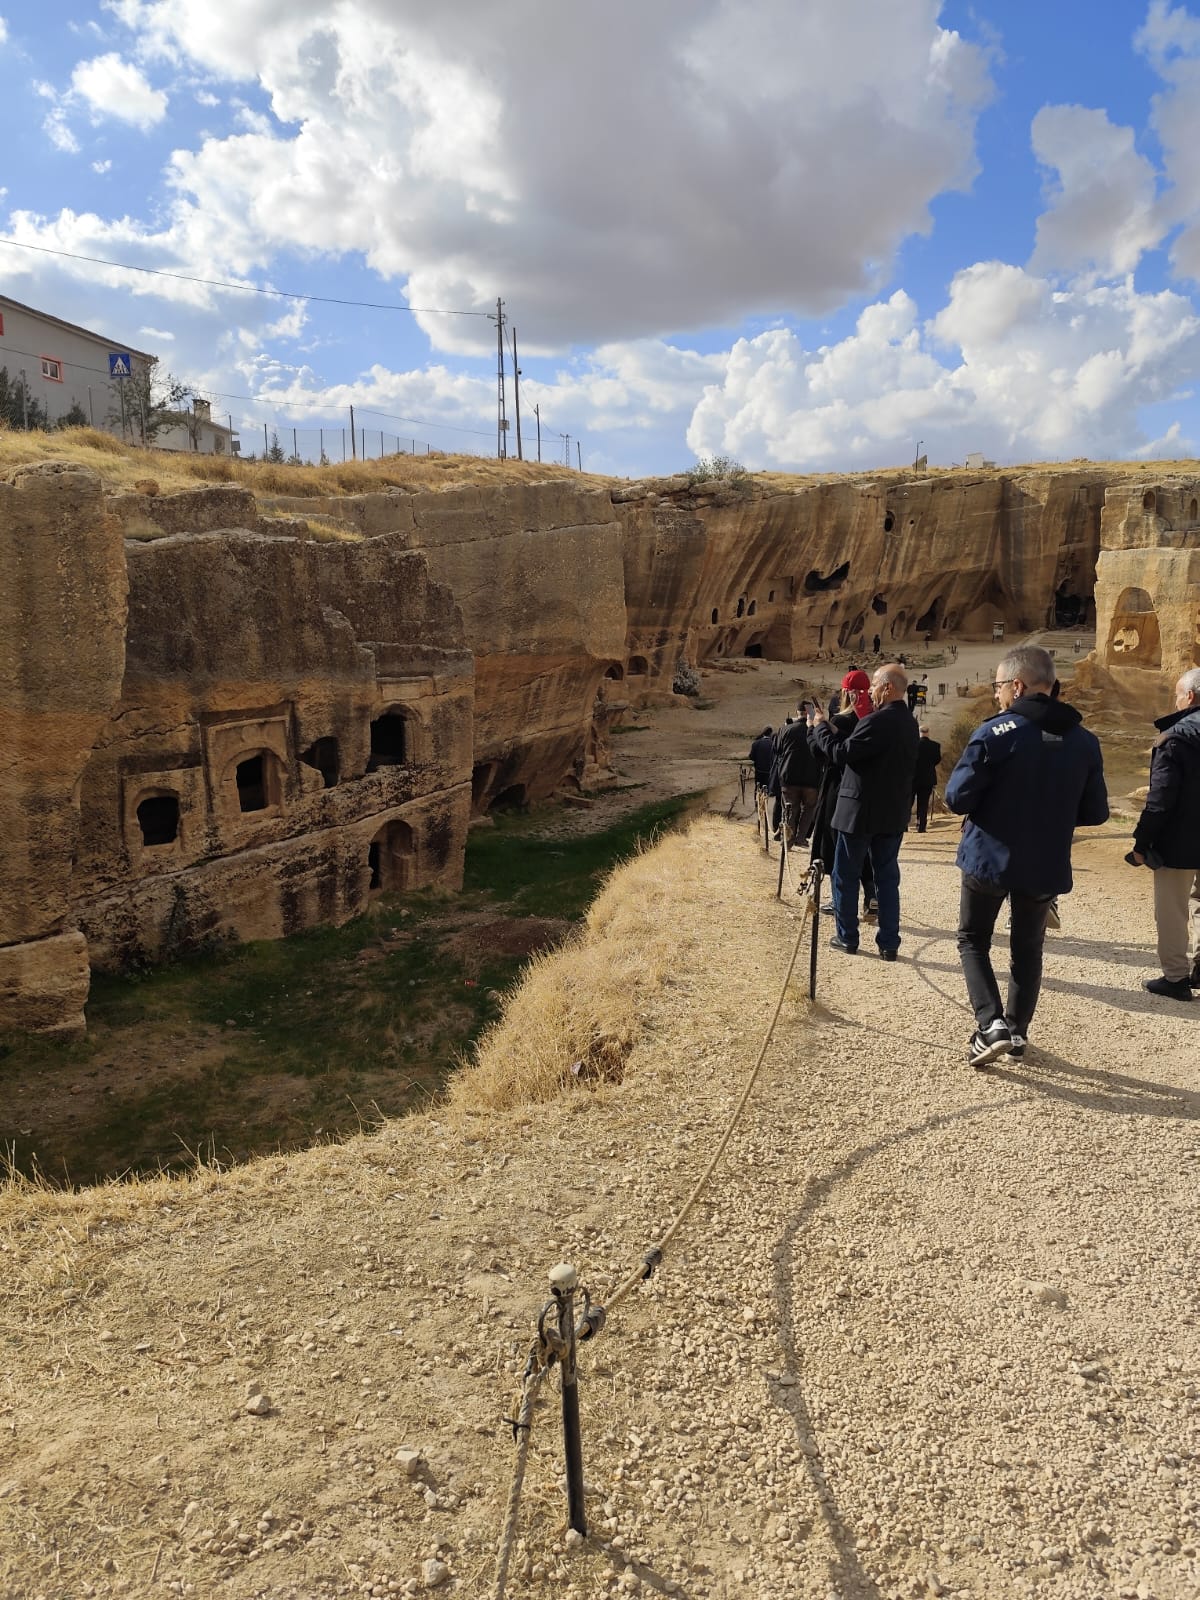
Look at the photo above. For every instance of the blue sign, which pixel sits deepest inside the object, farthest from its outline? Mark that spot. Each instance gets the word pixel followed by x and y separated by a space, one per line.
pixel 119 364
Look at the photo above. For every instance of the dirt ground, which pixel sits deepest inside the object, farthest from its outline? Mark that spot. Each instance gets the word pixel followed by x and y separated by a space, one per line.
pixel 931 1331
pixel 678 748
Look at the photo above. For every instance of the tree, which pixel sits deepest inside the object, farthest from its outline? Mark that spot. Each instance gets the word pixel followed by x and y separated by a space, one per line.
pixel 149 401
pixel 76 417
pixel 275 453
pixel 18 408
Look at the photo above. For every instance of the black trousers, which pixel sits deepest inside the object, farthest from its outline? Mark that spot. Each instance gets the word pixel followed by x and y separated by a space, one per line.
pixel 978 907
pixel 923 797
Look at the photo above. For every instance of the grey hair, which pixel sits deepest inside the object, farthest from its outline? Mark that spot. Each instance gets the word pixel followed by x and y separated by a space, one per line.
pixel 892 672
pixel 1190 682
pixel 1031 664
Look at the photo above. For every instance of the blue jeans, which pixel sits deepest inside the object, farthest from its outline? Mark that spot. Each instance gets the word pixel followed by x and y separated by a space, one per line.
pixel 852 850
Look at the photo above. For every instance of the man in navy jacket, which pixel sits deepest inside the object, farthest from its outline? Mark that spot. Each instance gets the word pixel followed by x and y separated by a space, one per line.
pixel 1027 779
pixel 1168 831
pixel 876 761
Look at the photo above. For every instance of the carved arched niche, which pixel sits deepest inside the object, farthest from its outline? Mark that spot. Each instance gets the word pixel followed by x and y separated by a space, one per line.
pixel 1133 635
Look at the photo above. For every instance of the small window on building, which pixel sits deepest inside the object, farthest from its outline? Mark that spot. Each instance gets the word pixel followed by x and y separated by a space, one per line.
pixel 716 615
pixel 770 596
pixel 1 324
pixel 752 608
pixel 741 606
pixel 52 369
pixel 158 818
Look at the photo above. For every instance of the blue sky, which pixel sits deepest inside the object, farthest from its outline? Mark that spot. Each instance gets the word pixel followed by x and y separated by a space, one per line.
pixel 800 234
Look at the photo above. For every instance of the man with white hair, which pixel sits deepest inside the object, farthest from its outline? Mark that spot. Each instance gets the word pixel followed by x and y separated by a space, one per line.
pixel 1027 779
pixel 1167 837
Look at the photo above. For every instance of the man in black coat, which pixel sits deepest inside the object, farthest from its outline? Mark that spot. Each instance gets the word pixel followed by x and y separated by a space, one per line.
pixel 929 755
pixel 877 761
pixel 1168 832
pixel 762 754
pixel 799 776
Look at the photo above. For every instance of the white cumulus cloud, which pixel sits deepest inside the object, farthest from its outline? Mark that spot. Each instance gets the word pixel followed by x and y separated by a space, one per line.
pixel 1103 211
pixel 681 163
pixel 1011 366
pixel 114 87
pixel 3 31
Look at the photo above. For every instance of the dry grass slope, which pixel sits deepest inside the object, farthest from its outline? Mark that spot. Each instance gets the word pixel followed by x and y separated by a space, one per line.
pixel 578 1011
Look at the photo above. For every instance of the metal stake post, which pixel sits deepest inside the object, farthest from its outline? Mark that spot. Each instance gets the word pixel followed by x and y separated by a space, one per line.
pixel 563 1280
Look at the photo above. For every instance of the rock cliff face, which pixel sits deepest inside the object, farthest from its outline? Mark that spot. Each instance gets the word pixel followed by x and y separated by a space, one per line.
pixel 277 728
pixel 1148 587
pixel 62 654
pixel 293 731
pixel 726 570
pixel 537 573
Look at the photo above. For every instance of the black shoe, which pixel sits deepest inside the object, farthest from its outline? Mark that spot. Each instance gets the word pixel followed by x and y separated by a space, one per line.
pixel 1017 1048
pixel 847 949
pixel 989 1043
pixel 1170 988
pixel 1194 980
pixel 887 955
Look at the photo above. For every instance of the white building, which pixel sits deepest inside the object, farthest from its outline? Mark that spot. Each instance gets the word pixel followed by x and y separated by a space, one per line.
pixel 196 430
pixel 65 369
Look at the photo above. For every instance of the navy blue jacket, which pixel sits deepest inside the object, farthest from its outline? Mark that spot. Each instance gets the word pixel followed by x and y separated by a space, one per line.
pixel 1170 820
pixel 877 760
pixel 1028 778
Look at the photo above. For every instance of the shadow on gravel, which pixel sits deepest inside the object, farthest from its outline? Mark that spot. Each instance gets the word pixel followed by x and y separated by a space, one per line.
pixel 1102 994
pixel 1110 1092
pixel 847 1577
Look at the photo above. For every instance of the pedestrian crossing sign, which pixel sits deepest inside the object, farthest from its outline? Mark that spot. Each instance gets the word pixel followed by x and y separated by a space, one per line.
pixel 119 364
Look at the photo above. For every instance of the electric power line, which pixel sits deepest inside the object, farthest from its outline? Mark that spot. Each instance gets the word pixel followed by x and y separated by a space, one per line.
pixel 243 288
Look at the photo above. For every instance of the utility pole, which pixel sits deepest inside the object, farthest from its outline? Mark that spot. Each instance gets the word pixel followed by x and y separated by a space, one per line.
pixel 266 446
pixel 353 451
pixel 566 439
pixel 579 454
pixel 295 446
pixel 537 411
pixel 517 394
pixel 501 419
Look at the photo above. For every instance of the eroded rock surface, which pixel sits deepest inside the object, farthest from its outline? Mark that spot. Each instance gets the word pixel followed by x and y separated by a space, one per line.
pixel 62 654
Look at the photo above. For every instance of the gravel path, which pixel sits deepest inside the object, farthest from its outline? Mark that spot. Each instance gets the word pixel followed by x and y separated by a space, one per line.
pixel 934 1331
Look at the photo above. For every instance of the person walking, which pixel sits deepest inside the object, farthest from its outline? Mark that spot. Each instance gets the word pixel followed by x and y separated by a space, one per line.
pixel 1029 776
pixel 929 758
pixel 1168 834
pixel 876 761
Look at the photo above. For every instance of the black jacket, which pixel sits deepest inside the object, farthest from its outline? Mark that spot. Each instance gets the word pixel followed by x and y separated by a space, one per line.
pixel 877 761
pixel 762 753
pixel 798 767
pixel 929 755
pixel 1170 820
pixel 1028 778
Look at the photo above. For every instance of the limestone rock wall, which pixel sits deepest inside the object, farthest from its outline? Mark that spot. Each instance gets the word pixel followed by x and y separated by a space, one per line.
pixel 790 573
pixel 537 572
pixel 293 731
pixel 62 654
pixel 1148 587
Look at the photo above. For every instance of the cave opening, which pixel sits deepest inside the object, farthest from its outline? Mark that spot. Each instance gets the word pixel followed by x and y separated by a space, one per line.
pixel 251 778
pixel 323 755
pixel 389 741
pixel 158 818
pixel 814 583
pixel 879 606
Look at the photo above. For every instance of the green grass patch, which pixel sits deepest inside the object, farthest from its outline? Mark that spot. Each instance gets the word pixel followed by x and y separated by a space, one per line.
pixel 558 877
pixel 274 1044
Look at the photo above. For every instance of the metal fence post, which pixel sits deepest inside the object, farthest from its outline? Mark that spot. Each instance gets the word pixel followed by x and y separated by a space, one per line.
pixel 563 1280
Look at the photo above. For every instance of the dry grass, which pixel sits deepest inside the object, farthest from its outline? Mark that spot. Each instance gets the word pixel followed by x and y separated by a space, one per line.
pixel 122 468
pixel 579 1010
pixel 976 708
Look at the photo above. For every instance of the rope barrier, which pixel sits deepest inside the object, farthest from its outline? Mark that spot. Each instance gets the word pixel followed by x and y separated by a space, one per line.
pixel 653 1257
pixel 522 1427
pixel 547 1347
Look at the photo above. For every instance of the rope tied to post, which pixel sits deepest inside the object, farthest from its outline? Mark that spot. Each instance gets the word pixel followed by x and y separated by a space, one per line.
pixel 591 1322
